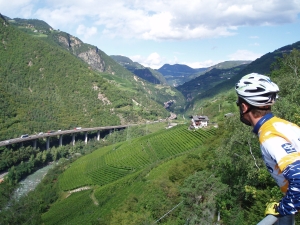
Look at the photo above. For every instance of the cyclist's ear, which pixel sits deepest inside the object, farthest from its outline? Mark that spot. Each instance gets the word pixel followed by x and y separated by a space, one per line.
pixel 244 107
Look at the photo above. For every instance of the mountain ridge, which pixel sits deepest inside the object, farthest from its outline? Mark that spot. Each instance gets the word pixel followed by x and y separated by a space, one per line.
pixel 178 74
pixel 145 73
pixel 208 80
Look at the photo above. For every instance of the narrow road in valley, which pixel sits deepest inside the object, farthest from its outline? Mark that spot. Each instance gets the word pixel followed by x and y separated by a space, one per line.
pixel 2 176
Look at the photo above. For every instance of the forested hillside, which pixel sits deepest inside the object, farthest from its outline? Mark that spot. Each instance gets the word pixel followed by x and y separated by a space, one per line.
pixel 101 62
pixel 44 87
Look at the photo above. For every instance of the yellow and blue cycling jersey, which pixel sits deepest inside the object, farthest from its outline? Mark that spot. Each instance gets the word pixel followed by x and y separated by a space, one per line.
pixel 280 148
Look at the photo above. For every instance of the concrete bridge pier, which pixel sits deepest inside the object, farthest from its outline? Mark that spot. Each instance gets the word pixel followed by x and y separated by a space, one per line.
pixel 34 143
pixel 73 139
pixel 48 143
pixel 86 137
pixel 60 140
pixel 98 135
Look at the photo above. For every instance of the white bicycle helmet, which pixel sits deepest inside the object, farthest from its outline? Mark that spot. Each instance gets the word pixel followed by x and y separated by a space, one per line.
pixel 257 89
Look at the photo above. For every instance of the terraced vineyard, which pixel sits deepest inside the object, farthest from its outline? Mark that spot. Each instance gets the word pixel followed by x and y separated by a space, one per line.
pixel 83 213
pixel 115 172
pixel 114 162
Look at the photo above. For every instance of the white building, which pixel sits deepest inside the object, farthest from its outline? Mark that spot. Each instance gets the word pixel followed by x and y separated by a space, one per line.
pixel 199 121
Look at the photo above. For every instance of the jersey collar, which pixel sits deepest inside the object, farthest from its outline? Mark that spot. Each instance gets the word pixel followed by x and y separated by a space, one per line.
pixel 262 120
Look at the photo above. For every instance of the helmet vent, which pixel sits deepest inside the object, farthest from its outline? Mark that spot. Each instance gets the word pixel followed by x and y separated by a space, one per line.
pixel 258 89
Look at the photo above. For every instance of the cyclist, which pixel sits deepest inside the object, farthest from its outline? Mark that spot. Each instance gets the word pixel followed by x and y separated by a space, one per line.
pixel 279 141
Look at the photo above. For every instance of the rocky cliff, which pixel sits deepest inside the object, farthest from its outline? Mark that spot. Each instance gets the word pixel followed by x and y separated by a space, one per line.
pixel 89 54
pixel 92 58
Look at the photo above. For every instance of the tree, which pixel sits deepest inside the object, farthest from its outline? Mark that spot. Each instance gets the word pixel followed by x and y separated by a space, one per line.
pixel 199 193
pixel 292 61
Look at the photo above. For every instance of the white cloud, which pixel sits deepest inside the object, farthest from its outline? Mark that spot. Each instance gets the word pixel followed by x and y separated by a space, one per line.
pixel 154 60
pixel 204 64
pixel 86 32
pixel 17 8
pixel 138 58
pixel 61 17
pixel 244 55
pixel 161 20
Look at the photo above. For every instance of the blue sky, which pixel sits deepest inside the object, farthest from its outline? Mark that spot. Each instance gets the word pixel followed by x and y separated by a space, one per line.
pixel 198 33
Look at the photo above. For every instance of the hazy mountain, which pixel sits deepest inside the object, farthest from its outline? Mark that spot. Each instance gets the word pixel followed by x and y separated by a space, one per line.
pixel 145 73
pixel 215 75
pixel 178 74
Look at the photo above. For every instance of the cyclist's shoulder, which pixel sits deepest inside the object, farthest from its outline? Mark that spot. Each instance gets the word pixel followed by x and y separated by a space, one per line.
pixel 277 127
pixel 277 124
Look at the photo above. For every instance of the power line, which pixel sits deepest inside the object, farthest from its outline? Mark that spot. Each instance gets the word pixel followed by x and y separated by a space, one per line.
pixel 168 212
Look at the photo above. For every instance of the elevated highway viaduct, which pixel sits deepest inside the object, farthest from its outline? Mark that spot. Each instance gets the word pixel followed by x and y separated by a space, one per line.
pixel 35 137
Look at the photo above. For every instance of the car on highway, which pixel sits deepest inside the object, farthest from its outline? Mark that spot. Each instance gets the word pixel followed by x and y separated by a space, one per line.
pixel 77 128
pixel 24 136
pixel 50 131
pixel 41 133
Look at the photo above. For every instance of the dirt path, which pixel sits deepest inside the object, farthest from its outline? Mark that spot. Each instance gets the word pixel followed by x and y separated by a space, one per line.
pixel 77 190
pixel 94 198
pixel 80 189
